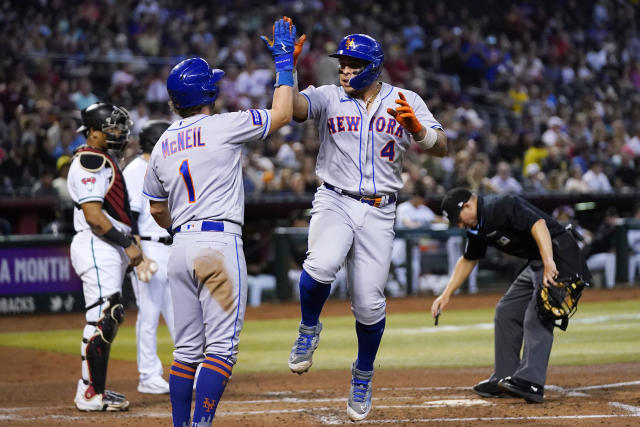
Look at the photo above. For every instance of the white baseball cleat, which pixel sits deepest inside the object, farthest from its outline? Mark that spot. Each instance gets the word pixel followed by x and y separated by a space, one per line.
pixel 153 385
pixel 88 400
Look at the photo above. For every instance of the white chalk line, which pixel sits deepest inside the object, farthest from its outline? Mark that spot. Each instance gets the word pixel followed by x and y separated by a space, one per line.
pixel 635 410
pixel 487 326
pixel 341 421
pixel 6 413
pixel 602 386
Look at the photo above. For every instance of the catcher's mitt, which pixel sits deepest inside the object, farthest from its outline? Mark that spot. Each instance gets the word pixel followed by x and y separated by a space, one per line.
pixel 559 303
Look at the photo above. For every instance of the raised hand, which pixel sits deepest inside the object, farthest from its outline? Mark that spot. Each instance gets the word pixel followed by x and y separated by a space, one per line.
pixel 282 45
pixel 298 43
pixel 405 116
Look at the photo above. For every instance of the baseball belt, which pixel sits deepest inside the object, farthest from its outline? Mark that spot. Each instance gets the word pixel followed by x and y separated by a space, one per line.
pixel 375 201
pixel 167 240
pixel 205 225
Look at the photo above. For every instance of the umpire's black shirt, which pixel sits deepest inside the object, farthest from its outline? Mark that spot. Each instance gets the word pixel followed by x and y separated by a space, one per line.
pixel 505 222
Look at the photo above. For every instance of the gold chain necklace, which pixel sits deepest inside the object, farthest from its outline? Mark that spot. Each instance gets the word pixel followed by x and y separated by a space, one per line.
pixel 373 96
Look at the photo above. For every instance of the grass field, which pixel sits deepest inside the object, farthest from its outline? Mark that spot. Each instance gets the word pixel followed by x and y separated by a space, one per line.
pixel 606 332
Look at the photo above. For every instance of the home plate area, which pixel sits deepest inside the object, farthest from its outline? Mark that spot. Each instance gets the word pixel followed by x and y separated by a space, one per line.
pixel 604 403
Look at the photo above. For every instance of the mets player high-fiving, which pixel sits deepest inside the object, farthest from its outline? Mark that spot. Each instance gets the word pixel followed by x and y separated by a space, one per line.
pixel 365 127
pixel 194 183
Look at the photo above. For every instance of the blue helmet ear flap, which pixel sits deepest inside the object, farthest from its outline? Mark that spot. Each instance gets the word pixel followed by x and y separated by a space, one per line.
pixel 211 87
pixel 367 76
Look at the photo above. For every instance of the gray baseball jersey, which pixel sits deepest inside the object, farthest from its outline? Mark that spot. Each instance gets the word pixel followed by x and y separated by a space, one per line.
pixel 197 165
pixel 361 152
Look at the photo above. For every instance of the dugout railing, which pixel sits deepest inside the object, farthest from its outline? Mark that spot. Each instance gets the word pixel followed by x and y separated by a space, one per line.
pixel 288 237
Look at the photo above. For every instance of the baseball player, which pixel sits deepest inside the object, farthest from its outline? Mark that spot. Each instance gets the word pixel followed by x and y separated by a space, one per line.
pixel 365 127
pixel 518 228
pixel 149 282
pixel 102 248
pixel 194 183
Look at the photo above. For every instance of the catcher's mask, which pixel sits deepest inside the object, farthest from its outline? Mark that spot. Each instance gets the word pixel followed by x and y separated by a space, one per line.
pixel 113 121
pixel 559 303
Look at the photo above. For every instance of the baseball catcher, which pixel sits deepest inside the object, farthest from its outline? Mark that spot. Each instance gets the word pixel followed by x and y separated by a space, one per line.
pixel 102 248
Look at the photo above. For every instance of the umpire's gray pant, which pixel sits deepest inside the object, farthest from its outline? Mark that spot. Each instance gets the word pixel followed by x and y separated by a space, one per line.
pixel 516 320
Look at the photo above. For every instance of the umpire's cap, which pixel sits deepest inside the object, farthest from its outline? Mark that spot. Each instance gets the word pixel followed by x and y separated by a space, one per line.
pixel 452 204
pixel 192 83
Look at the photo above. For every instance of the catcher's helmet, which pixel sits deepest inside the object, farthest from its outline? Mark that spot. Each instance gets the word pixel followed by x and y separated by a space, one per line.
pixel 363 47
pixel 107 118
pixel 151 133
pixel 192 83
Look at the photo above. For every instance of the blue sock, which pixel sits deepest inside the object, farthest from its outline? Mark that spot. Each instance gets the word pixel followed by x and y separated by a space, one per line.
pixel 181 389
pixel 369 337
pixel 313 295
pixel 212 380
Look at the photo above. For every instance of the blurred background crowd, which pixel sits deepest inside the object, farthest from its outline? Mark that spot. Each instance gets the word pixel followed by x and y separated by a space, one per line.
pixel 536 97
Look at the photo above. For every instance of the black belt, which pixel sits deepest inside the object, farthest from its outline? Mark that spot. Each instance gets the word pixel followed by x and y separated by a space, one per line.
pixel 375 201
pixel 575 233
pixel 167 240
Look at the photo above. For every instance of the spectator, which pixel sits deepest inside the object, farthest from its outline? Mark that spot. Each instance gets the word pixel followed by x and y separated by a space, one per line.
pixel 410 214
pixel 596 179
pixel 601 253
pixel 60 183
pixel 555 134
pixel 626 174
pixel 69 140
pixel 503 183
pixel 44 186
pixel 633 240
pixel 575 183
pixel 252 85
pixel 83 97
pixel 536 153
pixel 634 141
pixel 534 180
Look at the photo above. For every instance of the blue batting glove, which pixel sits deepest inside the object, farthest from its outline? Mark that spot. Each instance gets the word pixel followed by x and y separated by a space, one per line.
pixel 282 45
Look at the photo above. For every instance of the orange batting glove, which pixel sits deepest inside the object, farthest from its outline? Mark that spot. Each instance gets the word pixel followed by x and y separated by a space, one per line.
pixel 405 116
pixel 299 43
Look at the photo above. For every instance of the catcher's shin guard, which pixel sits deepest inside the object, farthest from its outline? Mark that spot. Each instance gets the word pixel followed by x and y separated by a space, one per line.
pixel 99 344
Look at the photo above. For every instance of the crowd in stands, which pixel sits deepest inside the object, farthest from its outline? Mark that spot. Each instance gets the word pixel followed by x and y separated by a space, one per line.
pixel 534 96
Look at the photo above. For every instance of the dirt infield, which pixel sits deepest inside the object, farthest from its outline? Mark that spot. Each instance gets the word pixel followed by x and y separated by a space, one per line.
pixel 37 387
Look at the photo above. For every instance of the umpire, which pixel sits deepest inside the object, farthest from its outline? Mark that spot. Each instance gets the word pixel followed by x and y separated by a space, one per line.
pixel 518 228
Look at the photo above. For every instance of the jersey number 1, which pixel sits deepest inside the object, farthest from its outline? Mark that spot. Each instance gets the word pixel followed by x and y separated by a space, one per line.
pixel 186 176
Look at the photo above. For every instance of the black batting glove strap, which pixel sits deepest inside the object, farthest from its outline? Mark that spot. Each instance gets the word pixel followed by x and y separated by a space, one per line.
pixel 117 238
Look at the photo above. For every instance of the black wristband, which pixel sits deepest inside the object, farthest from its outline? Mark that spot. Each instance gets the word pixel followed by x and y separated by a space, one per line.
pixel 117 238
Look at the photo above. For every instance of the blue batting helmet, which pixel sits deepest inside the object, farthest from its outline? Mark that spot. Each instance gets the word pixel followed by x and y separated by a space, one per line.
pixel 363 47
pixel 193 83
